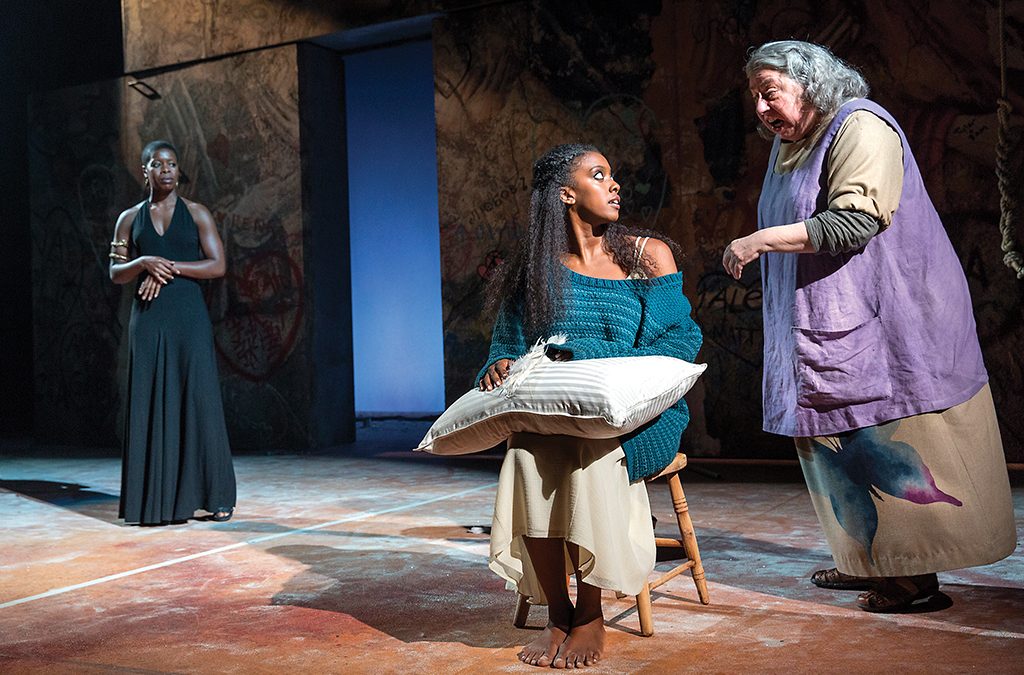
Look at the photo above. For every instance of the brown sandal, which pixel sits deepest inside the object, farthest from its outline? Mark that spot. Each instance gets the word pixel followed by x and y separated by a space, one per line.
pixel 836 580
pixel 894 594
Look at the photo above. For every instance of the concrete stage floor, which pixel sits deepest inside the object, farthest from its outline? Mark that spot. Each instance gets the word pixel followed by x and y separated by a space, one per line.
pixel 367 559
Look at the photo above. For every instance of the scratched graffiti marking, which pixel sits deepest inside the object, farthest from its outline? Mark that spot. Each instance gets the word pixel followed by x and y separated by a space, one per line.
pixel 264 314
pixel 729 313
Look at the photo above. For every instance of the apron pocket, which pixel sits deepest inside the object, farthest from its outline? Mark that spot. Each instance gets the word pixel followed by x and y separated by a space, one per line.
pixel 844 367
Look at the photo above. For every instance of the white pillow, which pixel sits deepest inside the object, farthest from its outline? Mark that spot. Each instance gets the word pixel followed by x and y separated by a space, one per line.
pixel 591 398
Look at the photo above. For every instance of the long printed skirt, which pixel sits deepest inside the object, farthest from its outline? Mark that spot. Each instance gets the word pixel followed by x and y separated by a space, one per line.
pixel 921 494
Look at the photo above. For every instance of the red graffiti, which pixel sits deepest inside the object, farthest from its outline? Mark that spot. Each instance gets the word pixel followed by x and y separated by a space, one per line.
pixel 264 314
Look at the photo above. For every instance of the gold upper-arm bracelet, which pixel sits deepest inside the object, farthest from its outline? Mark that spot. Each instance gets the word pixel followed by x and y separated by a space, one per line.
pixel 119 242
pixel 117 256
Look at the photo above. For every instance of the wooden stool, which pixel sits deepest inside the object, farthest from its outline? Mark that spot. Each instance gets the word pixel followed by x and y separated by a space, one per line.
pixel 687 542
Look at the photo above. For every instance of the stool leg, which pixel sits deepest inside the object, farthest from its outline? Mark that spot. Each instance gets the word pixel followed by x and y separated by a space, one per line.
pixel 689 538
pixel 643 609
pixel 522 612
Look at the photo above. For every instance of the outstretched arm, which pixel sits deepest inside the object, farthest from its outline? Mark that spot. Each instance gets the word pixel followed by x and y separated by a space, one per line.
pixel 865 181
pixel 792 238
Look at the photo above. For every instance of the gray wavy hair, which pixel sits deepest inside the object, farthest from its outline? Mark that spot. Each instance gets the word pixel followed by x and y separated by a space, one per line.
pixel 828 81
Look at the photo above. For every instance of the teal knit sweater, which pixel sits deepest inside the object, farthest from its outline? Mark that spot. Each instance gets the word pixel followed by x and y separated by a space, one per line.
pixel 609 318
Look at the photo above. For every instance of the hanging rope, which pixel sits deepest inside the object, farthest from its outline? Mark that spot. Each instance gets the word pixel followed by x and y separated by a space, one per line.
pixel 1007 201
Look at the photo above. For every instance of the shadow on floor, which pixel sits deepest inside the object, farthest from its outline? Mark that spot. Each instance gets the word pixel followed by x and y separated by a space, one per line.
pixel 988 608
pixel 412 596
pixel 70 496
pixel 779 570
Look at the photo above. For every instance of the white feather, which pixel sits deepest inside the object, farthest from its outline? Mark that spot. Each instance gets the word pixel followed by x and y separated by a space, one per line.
pixel 525 364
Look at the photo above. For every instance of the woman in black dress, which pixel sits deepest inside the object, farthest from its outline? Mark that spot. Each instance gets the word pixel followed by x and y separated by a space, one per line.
pixel 175 447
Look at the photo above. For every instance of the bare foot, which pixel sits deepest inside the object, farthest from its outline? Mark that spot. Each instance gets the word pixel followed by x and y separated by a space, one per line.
pixel 583 647
pixel 541 652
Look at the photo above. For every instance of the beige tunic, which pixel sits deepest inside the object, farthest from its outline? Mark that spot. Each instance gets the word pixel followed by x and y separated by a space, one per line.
pixel 865 165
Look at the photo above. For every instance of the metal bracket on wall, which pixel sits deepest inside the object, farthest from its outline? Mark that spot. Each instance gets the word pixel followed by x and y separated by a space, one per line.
pixel 144 89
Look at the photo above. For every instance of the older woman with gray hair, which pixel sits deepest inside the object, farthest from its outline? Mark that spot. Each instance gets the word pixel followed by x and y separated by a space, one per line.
pixel 871 355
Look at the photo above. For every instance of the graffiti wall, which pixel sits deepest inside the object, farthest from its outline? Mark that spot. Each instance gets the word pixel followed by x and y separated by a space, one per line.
pixel 656 84
pixel 235 123
pixel 659 87
pixel 79 185
pixel 193 30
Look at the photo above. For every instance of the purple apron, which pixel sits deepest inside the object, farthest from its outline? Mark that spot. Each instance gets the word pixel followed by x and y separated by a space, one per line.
pixel 872 361
pixel 869 336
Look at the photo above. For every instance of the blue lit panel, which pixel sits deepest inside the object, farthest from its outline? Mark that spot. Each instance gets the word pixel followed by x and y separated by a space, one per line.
pixel 396 253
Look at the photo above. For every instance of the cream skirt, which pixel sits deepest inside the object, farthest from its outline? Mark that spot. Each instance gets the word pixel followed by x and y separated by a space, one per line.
pixel 916 495
pixel 577 489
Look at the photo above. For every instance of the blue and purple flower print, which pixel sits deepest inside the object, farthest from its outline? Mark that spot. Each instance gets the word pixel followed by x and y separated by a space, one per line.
pixel 857 467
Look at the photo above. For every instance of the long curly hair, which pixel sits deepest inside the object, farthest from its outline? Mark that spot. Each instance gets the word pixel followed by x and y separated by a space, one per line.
pixel 533 283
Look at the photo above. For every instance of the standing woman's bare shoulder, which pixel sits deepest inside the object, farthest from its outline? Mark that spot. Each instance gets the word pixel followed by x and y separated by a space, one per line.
pixel 122 227
pixel 660 255
pixel 199 213
pixel 129 213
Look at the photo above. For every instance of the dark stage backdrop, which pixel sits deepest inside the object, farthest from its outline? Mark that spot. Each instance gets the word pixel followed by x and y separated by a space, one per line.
pixel 193 30
pixel 236 125
pixel 657 85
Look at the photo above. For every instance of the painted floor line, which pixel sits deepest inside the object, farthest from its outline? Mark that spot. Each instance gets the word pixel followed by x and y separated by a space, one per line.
pixel 248 542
